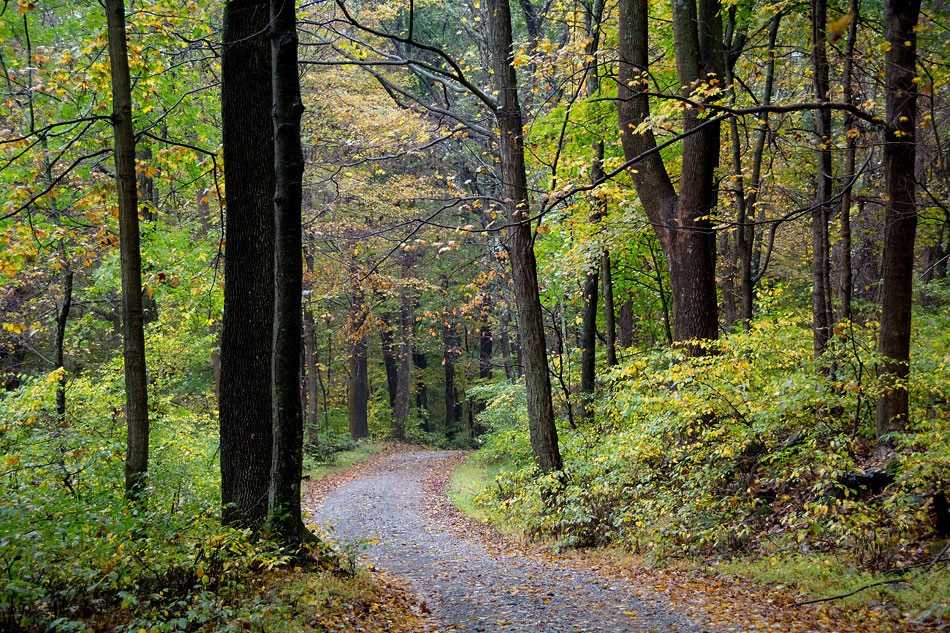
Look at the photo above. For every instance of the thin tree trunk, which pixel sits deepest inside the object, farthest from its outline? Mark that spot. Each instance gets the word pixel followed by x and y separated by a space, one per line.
pixel 749 240
pixel 284 511
pixel 626 324
pixel 247 329
pixel 900 17
pixel 404 367
pixel 524 272
pixel 62 317
pixel 389 357
pixel 845 282
pixel 609 314
pixel 133 336
pixel 588 342
pixel 449 353
pixel 821 288
pixel 505 341
pixel 312 372
pixel 358 385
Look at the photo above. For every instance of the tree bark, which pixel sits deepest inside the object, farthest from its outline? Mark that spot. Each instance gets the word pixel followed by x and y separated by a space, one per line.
pixel 404 366
pixel 588 343
pixel 284 511
pixel 450 351
pixel 609 314
pixel 62 317
pixel 358 385
pixel 389 357
pixel 820 259
pixel 524 272
pixel 626 324
pixel 505 341
pixel 845 282
pixel 312 370
pixel 900 17
pixel 681 221
pixel 133 336
pixel 247 329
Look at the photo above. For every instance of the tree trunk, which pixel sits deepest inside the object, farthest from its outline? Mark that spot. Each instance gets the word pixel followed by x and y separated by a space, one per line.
pixel 681 221
pixel 749 239
pixel 900 17
pixel 389 356
pixel 312 373
pixel 284 512
pixel 588 342
pixel 133 336
pixel 626 324
pixel 358 385
pixel 609 314
pixel 62 317
pixel 845 282
pixel 404 367
pixel 820 259
pixel 450 350
pixel 521 244
pixel 247 328
pixel 505 341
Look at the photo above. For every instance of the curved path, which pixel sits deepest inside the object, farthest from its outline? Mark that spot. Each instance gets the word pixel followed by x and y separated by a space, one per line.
pixel 466 587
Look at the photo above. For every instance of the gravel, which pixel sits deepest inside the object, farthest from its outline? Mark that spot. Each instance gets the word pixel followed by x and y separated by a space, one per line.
pixel 464 586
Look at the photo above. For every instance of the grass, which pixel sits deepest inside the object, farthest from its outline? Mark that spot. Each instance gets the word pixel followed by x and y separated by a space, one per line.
pixel 343 460
pixel 926 590
pixel 469 478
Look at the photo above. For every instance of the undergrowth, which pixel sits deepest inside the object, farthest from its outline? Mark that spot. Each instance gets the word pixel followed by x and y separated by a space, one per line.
pixel 751 452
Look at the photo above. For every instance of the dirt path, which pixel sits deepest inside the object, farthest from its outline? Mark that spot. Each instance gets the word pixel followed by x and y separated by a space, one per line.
pixel 466 587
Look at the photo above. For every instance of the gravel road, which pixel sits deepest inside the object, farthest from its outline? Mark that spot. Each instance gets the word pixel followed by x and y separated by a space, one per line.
pixel 466 587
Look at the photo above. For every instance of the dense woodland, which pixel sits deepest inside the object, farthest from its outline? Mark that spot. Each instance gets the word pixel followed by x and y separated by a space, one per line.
pixel 678 270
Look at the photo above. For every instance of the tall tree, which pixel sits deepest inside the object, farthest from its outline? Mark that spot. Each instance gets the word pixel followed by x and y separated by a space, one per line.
pixel 900 149
pixel 133 335
pixel 524 270
pixel 247 330
pixel 284 511
pixel 358 385
pixel 593 13
pixel 821 249
pixel 845 282
pixel 679 219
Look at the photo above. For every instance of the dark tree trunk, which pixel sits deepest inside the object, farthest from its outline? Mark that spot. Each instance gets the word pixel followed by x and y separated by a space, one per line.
pixel 450 351
pixel 358 385
pixel 900 17
pixel 62 317
pixel 592 16
pixel 389 357
pixel 820 258
pixel 505 341
pixel 248 323
pixel 284 512
pixel 312 373
pixel 609 314
pixel 748 239
pixel 420 362
pixel 404 367
pixel 681 221
pixel 626 324
pixel 485 339
pixel 521 244
pixel 588 342
pixel 133 336
pixel 845 282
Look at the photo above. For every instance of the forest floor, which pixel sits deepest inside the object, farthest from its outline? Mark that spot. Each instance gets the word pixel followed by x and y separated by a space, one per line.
pixel 393 508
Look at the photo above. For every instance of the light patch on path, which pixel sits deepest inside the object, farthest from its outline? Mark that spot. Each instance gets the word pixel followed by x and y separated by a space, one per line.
pixel 466 587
